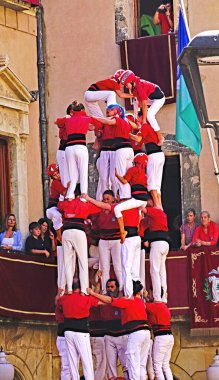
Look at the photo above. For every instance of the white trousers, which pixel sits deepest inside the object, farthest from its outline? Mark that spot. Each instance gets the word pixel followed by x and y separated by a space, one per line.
pixel 152 111
pixel 149 366
pixel 155 171
pixel 103 167
pixel 113 179
pixel 123 161
pixel 161 353
pixel 56 217
pixel 108 249
pixel 63 168
pixel 128 205
pixel 130 258
pixel 142 268
pixel 74 243
pixel 158 255
pixel 62 348
pixel 93 97
pixel 137 353
pixel 61 278
pixel 77 163
pixel 116 347
pixel 99 354
pixel 78 347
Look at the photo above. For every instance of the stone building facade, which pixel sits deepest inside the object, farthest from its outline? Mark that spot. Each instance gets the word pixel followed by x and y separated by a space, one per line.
pixel 81 43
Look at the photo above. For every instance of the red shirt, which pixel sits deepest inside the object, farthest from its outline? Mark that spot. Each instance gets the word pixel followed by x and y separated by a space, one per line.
pixel 211 235
pixel 143 89
pixel 76 124
pixel 108 85
pixel 107 225
pixel 132 309
pixel 122 128
pixel 159 316
pixel 157 219
pixel 56 190
pixel 136 176
pixel 131 217
pixel 76 305
pixel 164 22
pixel 77 209
pixel 148 134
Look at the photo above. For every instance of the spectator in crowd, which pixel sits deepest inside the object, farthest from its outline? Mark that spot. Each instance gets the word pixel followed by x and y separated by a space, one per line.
pixel 34 243
pixel 187 230
pixel 11 238
pixel 207 233
pixel 47 235
pixel 164 17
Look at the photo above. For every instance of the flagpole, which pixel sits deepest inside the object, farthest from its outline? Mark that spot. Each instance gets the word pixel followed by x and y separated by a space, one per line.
pixel 216 171
pixel 183 9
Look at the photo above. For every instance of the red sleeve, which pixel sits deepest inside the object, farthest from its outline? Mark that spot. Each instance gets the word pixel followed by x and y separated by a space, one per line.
pixel 143 226
pixel 196 235
pixel 58 186
pixel 143 131
pixel 128 176
pixel 93 209
pixel 215 233
pixel 61 205
pixel 93 301
pixel 120 302
pixel 98 125
pixel 60 121
pixel 141 92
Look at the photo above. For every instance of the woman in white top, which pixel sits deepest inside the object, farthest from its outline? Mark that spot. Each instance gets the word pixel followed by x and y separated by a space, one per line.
pixel 11 238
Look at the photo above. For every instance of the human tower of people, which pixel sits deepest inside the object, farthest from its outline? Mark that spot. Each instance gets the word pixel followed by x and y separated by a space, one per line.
pixel 126 215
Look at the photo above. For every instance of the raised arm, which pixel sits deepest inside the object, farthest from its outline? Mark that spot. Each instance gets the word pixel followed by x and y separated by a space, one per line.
pixel 137 138
pixel 107 121
pixel 120 178
pixel 123 94
pixel 100 297
pixel 103 205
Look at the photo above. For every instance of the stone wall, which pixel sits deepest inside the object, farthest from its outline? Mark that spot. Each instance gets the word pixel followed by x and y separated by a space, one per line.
pixel 32 351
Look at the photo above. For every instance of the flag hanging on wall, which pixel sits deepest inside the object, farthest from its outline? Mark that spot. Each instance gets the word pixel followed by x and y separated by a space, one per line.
pixel 187 125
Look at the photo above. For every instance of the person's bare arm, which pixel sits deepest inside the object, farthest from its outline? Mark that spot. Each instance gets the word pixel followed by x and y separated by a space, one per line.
pixel 104 206
pixel 107 121
pixel 133 125
pixel 144 111
pixel 156 18
pixel 40 252
pixel 120 178
pixel 123 95
pixel 100 297
pixel 135 137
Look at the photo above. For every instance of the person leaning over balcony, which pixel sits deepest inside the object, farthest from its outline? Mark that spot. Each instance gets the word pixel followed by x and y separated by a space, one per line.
pixel 104 90
pixel 11 238
pixel 188 229
pixel 207 233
